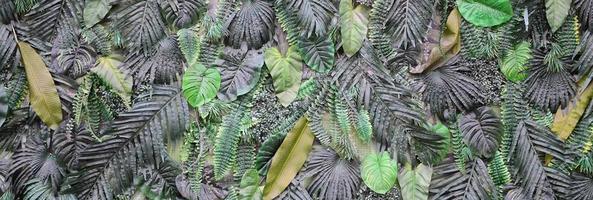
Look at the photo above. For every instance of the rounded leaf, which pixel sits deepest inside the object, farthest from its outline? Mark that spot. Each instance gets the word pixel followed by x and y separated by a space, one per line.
pixel 200 84
pixel 353 23
pixel 286 71
pixel 379 172
pixel 485 13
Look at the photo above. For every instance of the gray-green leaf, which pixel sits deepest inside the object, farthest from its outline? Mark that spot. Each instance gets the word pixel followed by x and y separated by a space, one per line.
pixel 95 11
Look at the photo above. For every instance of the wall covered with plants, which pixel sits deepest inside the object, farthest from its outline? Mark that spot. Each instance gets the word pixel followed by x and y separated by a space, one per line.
pixel 296 99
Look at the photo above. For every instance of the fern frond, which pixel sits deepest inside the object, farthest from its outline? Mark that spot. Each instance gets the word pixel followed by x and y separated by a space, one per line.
pixel 498 170
pixel 461 151
pixel 513 110
pixel 17 89
pixel 98 37
pixel 377 36
pixel 227 141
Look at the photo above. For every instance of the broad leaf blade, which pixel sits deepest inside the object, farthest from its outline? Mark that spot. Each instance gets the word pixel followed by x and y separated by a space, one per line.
pixel 353 22
pixel 108 70
pixel 514 64
pixel 289 159
pixel 319 55
pixel 485 13
pixel 42 90
pixel 3 105
pixel 200 84
pixel 95 11
pixel 286 71
pixel 249 186
pixel 556 12
pixel 379 172
pixel 449 45
pixel 414 182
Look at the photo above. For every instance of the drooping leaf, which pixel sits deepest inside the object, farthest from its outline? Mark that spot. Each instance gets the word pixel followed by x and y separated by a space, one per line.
pixel 286 72
pixel 289 159
pixel 108 70
pixel 379 172
pixel 353 23
pixel 445 47
pixel 556 12
pixel 319 55
pixel 200 84
pixel 95 11
pixel 3 105
pixel 42 90
pixel 414 182
pixel 249 186
pixel 481 130
pixel 240 72
pixel 189 43
pixel 485 13
pixel 514 64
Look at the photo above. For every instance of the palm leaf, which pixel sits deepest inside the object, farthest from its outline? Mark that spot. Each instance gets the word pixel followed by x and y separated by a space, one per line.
pixel 46 16
pixel 8 47
pixel 585 14
pixel 314 15
pixel 3 105
pixel 135 142
pixel 408 21
pixel 252 23
pixel 142 25
pixel 183 13
pixel 448 182
pixel 332 177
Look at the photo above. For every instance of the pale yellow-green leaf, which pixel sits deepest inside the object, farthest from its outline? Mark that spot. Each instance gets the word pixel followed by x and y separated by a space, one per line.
pixel 107 69
pixel 566 120
pixel 43 94
pixel 289 158
pixel 556 12
pixel 353 23
pixel 414 183
pixel 286 73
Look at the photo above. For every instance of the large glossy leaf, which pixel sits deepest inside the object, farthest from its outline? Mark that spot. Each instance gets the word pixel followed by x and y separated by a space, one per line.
pixel 379 172
pixel 414 182
pixel 289 158
pixel 353 22
pixel 556 12
pixel 319 55
pixel 95 11
pixel 200 84
pixel 249 186
pixel 240 72
pixel 3 105
pixel 42 90
pixel 485 13
pixel 286 72
pixel 514 64
pixel 108 70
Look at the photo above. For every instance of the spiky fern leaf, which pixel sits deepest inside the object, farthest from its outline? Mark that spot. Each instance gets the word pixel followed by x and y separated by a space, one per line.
pixel 377 36
pixel 189 42
pixel 513 110
pixel 480 42
pixel 498 170
pixel 227 141
pixel 17 89
pixel 99 38
pixel 568 36
pixel 461 152
pixel 136 142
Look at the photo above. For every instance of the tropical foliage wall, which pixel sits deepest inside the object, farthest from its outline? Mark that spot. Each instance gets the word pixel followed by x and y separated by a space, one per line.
pixel 296 99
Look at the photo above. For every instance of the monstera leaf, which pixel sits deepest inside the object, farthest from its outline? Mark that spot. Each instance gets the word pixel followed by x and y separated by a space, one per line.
pixel 200 84
pixel 556 12
pixel 239 72
pixel 353 26
pixel 286 73
pixel 42 90
pixel 379 172
pixel 485 13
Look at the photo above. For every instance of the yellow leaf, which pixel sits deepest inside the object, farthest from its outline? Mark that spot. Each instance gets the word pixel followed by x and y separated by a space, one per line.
pixel 289 158
pixel 108 70
pixel 43 94
pixel 566 120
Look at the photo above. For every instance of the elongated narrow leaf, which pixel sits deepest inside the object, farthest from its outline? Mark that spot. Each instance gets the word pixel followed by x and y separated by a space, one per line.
pixel 42 90
pixel 200 84
pixel 3 105
pixel 556 12
pixel 95 11
pixel 353 26
pixel 414 182
pixel 108 70
pixel 286 71
pixel 289 158
pixel 486 13
pixel 566 120
pixel 379 172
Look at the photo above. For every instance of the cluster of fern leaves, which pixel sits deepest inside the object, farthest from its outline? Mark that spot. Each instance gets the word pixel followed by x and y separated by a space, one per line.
pixel 296 99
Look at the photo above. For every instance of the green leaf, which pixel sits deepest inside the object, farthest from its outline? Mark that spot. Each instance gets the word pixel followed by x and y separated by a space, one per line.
pixel 200 84
pixel 286 72
pixel 289 158
pixel 43 94
pixel 514 64
pixel 249 186
pixel 379 172
pixel 556 12
pixel 95 11
pixel 107 69
pixel 414 183
pixel 189 43
pixel 485 13
pixel 3 105
pixel 353 22
pixel 319 55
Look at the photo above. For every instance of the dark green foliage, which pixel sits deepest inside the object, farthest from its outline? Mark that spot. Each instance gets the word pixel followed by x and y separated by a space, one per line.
pixel 448 182
pixel 252 23
pixel 481 130
pixel 333 177
pixel 408 21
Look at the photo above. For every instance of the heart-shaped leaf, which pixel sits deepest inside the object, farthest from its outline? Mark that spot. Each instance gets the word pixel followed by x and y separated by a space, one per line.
pixel 249 186
pixel 200 84
pixel 353 23
pixel 485 13
pixel 514 64
pixel 414 182
pixel 379 172
pixel 319 55
pixel 556 12
pixel 240 72
pixel 286 71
